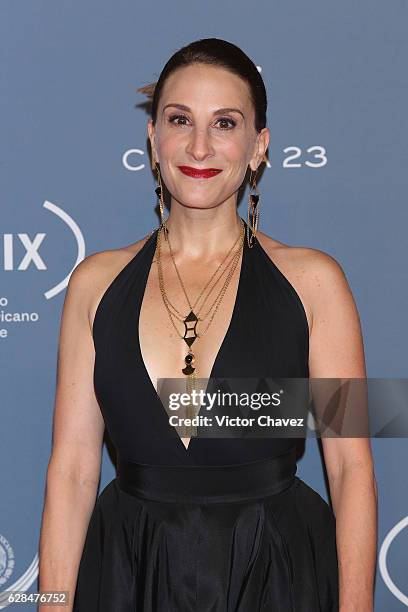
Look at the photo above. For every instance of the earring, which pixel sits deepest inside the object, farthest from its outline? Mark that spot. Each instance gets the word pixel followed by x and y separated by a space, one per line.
pixel 253 210
pixel 159 193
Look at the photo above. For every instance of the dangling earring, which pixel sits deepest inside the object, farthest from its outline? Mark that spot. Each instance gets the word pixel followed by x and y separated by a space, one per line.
pixel 253 210
pixel 159 193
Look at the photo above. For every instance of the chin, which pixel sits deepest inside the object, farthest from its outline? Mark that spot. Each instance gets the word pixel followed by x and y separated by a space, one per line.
pixel 194 200
pixel 198 204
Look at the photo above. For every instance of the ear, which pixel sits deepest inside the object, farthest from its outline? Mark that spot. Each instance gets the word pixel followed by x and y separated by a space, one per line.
pixel 151 133
pixel 260 148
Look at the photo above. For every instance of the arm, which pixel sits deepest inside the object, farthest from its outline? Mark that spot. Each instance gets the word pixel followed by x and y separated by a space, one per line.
pixel 74 467
pixel 336 351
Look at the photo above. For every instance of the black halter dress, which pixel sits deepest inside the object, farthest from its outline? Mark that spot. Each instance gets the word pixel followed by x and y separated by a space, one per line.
pixel 224 525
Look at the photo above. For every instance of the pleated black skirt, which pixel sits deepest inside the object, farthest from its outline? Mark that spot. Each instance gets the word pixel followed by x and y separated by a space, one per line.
pixel 238 538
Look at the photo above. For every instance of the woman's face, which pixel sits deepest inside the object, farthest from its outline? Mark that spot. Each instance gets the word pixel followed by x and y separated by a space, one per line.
pixel 205 119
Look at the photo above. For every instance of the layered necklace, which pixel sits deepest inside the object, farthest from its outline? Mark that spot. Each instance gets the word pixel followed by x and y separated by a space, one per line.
pixel 194 316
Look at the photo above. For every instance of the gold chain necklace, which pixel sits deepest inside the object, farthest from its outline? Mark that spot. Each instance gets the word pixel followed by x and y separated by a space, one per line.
pixel 192 307
pixel 191 320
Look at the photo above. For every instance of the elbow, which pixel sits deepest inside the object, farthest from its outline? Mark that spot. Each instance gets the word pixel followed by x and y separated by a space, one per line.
pixel 76 472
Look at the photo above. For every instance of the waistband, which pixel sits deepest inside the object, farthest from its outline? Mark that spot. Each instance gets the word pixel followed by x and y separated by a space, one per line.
pixel 207 484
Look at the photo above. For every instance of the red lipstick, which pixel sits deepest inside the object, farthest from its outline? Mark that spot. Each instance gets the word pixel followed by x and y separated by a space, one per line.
pixel 199 173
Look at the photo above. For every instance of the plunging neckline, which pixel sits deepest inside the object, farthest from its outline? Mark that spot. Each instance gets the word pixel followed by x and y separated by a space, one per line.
pixel 223 342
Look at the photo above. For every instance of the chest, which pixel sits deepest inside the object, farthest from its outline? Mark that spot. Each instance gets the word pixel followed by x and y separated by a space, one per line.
pixel 162 325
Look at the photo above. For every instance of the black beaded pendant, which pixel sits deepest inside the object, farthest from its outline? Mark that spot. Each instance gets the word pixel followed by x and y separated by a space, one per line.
pixel 189 359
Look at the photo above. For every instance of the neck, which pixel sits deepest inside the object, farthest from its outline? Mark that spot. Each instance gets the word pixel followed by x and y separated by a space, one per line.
pixel 202 233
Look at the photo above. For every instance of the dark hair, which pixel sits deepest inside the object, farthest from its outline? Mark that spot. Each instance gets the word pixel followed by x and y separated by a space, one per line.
pixel 215 52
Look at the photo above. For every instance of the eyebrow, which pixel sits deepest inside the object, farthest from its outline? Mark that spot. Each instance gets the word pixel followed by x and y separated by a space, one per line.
pixel 216 112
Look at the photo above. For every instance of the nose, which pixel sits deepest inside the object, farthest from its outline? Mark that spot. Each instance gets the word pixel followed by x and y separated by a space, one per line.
pixel 199 144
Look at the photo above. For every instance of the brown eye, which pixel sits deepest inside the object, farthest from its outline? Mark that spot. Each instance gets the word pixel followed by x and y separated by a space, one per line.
pixel 173 117
pixel 227 120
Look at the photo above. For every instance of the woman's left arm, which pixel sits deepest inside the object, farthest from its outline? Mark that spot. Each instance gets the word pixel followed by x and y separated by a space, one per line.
pixel 336 351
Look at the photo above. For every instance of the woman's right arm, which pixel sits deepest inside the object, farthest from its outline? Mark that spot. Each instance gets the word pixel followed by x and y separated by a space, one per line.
pixel 74 466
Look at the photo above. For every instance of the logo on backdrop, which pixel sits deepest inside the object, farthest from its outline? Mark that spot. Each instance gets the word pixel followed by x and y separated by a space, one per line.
pixel 7 563
pixel 293 156
pixel 6 560
pixel 9 316
pixel 382 560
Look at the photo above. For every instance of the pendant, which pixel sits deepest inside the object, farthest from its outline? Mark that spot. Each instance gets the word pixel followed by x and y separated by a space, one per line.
pixel 190 324
pixel 190 334
pixel 189 359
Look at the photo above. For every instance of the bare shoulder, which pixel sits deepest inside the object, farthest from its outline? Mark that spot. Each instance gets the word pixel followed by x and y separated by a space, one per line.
pixel 313 273
pixel 93 275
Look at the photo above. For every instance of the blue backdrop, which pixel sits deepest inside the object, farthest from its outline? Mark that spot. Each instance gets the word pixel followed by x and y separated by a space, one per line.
pixel 76 178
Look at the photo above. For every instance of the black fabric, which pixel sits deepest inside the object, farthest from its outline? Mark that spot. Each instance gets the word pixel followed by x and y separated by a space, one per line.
pixel 225 483
pixel 224 525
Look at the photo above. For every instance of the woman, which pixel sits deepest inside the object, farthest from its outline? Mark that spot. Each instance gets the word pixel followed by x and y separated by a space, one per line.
pixel 208 524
